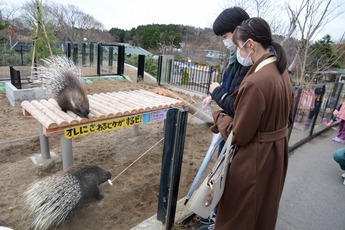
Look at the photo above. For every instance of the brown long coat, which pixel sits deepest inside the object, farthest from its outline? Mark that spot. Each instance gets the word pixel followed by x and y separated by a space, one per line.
pixel 255 181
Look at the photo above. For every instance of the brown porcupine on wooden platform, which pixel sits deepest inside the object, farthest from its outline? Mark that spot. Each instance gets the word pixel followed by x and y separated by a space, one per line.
pixel 63 80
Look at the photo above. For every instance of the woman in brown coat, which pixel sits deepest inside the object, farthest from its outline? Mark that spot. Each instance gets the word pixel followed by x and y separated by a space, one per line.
pixel 263 106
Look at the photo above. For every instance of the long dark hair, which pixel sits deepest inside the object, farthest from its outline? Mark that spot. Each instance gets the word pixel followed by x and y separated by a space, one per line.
pixel 258 29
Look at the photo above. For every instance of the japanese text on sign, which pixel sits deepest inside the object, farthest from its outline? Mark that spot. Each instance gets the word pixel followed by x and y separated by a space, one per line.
pixel 103 126
pixel 113 124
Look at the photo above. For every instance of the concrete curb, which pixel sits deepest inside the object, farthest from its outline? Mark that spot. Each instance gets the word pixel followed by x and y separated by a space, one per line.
pixel 182 213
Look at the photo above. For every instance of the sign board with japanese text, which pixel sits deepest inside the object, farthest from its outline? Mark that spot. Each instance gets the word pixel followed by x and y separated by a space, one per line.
pixel 114 124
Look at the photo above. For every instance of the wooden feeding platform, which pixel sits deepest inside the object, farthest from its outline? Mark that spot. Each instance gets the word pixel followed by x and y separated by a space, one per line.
pixel 108 111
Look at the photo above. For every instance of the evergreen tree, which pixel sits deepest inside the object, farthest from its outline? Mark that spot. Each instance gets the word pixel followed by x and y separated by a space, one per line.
pixel 322 55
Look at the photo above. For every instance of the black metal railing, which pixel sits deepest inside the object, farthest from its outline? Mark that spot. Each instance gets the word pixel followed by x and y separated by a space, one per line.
pixel 193 76
pixel 313 111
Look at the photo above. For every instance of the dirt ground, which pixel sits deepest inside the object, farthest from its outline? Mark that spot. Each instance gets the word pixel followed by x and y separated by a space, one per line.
pixel 134 195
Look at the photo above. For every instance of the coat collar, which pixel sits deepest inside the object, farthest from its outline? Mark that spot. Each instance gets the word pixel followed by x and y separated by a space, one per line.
pixel 252 69
pixel 263 57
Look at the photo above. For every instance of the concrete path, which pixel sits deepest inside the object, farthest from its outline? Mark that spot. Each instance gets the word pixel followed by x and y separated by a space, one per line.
pixel 313 196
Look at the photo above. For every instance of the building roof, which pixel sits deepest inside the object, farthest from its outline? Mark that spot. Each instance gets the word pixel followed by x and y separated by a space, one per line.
pixel 135 50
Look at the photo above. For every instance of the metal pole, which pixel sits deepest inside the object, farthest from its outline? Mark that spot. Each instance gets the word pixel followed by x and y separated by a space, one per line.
pixel 21 55
pixel 92 53
pixel 68 51
pixel 170 65
pixel 180 134
pixel 141 67
pixel 168 148
pixel 175 129
pixel 135 130
pixel 44 143
pixel 99 58
pixel 159 70
pixel 67 154
pixel 83 54
pixel 75 54
pixel 121 60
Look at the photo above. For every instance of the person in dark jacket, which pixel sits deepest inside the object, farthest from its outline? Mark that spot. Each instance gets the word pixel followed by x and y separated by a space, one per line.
pixel 224 26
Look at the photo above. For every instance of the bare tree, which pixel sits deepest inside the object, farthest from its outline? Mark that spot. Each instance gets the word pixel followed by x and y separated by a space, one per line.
pixel 68 20
pixel 267 9
pixel 308 19
pixel 303 22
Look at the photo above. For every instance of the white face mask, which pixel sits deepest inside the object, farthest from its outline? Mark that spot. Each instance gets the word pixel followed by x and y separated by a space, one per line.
pixel 228 43
pixel 247 61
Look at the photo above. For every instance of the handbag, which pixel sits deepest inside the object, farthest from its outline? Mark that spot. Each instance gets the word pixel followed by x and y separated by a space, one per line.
pixel 209 193
pixel 222 123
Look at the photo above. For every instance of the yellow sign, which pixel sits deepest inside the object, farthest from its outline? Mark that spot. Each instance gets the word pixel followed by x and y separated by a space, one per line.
pixel 103 126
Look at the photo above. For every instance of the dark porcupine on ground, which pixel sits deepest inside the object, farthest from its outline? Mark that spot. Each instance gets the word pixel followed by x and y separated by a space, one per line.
pixel 63 80
pixel 52 199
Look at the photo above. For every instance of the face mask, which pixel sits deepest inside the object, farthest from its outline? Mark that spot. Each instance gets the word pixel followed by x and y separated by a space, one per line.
pixel 247 61
pixel 228 43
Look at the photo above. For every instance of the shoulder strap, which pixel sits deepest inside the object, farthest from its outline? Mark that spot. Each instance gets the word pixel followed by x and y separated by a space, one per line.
pixel 265 62
pixel 227 146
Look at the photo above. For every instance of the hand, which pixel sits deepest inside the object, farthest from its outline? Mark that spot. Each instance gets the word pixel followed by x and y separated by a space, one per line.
pixel 213 86
pixel 206 102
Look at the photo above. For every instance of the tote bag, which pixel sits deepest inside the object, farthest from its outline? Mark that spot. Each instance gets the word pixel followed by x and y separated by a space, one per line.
pixel 207 196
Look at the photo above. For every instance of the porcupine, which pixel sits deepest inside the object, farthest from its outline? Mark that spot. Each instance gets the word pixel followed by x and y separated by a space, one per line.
pixel 63 80
pixel 52 199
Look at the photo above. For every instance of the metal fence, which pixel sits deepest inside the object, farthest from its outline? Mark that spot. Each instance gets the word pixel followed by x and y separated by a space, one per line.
pixel 313 111
pixel 313 105
pixel 193 77
pixel 12 58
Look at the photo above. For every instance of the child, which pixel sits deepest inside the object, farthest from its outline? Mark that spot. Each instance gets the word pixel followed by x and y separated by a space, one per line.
pixel 340 114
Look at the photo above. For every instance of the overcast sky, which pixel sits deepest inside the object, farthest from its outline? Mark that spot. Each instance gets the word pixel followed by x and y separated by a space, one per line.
pixel 126 14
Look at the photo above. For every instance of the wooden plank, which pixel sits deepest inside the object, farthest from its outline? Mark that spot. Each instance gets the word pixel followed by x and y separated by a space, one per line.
pixel 135 107
pixel 95 115
pixel 59 112
pixel 25 112
pixel 104 100
pixel 120 102
pixel 41 117
pixel 137 97
pixel 58 120
pixel 79 119
pixel 166 101
pixel 94 104
pixel 157 102
pixel 139 105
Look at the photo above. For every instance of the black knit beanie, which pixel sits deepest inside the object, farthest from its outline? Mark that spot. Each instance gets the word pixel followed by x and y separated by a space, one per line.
pixel 229 19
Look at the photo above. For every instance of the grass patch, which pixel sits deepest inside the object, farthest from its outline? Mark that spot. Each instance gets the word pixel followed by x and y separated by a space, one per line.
pixel 2 87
